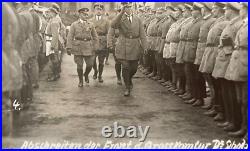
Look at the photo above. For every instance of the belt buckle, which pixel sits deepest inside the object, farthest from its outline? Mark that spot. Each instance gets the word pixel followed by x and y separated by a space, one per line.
pixel 85 39
pixel 130 37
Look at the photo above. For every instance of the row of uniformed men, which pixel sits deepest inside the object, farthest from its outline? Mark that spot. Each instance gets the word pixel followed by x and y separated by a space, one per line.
pixel 190 46
pixel 25 31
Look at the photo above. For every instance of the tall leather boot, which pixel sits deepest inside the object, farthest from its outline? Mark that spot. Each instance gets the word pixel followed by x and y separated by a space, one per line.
pixel 101 66
pixel 80 75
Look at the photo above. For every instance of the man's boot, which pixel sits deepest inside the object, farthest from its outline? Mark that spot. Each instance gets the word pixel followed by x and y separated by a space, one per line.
pixel 80 75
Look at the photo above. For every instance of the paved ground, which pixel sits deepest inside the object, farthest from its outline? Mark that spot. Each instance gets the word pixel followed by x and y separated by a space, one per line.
pixel 63 112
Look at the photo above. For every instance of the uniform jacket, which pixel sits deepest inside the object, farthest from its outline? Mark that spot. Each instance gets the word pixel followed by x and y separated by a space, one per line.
pixel 238 67
pixel 132 37
pixel 192 40
pixel 102 27
pixel 152 34
pixel 211 50
pixel 172 37
pixel 30 24
pixel 82 38
pixel 113 34
pixel 224 54
pixel 163 27
pixel 185 25
pixel 204 29
pixel 11 59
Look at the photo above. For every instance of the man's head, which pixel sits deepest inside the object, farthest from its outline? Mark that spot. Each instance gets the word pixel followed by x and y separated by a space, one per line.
pixel 98 8
pixel 231 8
pixel 217 9
pixel 128 7
pixel 196 10
pixel 52 12
pixel 178 11
pixel 244 9
pixel 186 10
pixel 206 8
pixel 83 13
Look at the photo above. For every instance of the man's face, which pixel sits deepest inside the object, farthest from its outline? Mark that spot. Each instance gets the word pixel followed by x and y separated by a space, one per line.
pixel 228 13
pixel 98 11
pixel 177 13
pixel 83 15
pixel 216 11
pixel 128 9
pixel 196 13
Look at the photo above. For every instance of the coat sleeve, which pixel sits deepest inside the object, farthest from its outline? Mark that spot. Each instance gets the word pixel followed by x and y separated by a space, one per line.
pixel 142 36
pixel 110 37
pixel 115 23
pixel 55 35
pixel 164 34
pixel 95 38
pixel 70 36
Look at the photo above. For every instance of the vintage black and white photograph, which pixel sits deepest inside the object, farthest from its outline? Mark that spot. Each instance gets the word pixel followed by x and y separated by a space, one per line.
pixel 153 75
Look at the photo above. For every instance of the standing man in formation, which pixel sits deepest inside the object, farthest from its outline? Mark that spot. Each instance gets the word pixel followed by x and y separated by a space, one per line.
pixel 82 42
pixel 101 24
pixel 130 44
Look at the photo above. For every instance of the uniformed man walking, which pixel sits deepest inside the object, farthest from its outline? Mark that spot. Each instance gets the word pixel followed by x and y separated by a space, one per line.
pixel 82 42
pixel 130 44
pixel 101 24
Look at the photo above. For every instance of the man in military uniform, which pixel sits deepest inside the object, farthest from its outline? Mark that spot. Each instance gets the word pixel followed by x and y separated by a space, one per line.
pixel 228 34
pixel 200 85
pixel 189 55
pixel 208 60
pixel 82 42
pixel 52 44
pixel 237 70
pixel 112 36
pixel 182 30
pixel 130 44
pixel 152 41
pixel 30 23
pixel 212 43
pixel 170 48
pixel 101 24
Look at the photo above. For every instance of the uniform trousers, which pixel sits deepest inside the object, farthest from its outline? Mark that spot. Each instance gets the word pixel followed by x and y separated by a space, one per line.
pixel 129 68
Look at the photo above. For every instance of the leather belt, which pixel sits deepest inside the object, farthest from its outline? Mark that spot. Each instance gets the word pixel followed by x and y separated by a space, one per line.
pixel 132 37
pixel 83 39
pixel 101 34
pixel 243 48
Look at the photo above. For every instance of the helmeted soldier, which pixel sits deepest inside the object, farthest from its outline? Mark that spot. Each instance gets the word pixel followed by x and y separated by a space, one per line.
pixel 130 44
pixel 101 24
pixel 82 42
pixel 227 38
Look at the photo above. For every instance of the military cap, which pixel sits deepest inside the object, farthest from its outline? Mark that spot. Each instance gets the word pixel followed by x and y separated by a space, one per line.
pixel 187 7
pixel 84 9
pixel 179 8
pixel 208 5
pixel 232 5
pixel 245 4
pixel 53 10
pixel 219 4
pixel 196 6
pixel 99 5
pixel 170 7
pixel 56 6
pixel 126 3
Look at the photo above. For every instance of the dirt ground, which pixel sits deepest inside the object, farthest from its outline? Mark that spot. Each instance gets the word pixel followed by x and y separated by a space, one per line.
pixel 63 112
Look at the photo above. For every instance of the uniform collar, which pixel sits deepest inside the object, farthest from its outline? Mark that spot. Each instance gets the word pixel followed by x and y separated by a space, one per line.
pixel 82 21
